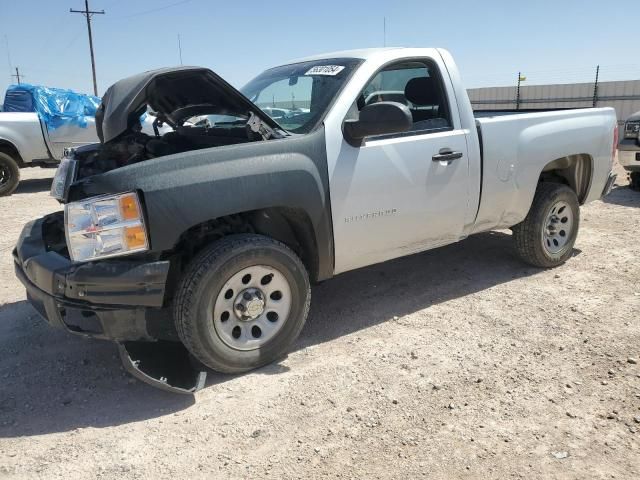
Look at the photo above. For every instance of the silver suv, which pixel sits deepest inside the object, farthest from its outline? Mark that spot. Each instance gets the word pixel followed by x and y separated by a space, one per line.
pixel 629 150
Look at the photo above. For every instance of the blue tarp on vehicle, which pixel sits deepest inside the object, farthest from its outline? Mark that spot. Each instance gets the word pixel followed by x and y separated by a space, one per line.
pixel 55 106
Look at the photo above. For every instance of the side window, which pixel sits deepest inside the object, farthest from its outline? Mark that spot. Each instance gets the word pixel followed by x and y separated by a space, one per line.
pixel 416 84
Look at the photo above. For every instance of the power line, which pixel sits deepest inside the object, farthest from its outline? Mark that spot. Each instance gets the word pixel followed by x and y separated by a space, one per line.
pixel 88 14
pixel 153 10
pixel 6 41
pixel 71 42
pixel 561 76
pixel 584 75
pixel 565 70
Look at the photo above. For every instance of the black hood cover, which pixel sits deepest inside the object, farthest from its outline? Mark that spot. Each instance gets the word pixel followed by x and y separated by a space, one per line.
pixel 177 93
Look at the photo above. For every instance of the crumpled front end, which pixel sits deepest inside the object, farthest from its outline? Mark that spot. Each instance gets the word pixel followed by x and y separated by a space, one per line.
pixel 116 299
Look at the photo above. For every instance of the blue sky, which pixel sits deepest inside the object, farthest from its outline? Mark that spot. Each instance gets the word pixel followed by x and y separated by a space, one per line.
pixel 549 41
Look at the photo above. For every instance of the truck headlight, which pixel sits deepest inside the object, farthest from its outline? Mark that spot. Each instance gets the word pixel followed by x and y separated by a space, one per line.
pixel 632 129
pixel 105 226
pixel 63 178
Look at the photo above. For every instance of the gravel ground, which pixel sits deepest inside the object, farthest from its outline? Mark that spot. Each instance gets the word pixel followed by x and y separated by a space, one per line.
pixel 456 363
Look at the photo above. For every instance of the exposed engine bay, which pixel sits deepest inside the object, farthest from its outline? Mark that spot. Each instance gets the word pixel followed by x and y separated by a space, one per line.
pixel 137 146
pixel 194 109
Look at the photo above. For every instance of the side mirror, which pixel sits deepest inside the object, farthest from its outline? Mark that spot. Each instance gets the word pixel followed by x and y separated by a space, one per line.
pixel 379 118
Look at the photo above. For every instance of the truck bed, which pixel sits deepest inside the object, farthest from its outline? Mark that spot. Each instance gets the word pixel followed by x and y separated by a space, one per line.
pixel 499 113
pixel 514 144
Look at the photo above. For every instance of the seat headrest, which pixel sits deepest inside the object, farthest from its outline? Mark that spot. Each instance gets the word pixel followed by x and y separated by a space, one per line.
pixel 422 91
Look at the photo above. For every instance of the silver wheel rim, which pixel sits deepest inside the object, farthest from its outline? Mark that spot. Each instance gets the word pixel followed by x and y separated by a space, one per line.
pixel 5 175
pixel 251 307
pixel 558 227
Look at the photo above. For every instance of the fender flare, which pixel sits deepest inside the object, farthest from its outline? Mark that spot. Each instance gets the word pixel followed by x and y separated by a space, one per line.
pixel 184 190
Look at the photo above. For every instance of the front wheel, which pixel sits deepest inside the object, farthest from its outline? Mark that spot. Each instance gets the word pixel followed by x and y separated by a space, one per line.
pixel 9 174
pixel 545 238
pixel 242 302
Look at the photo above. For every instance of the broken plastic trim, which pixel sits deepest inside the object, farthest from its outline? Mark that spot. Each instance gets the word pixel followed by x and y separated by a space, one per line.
pixel 258 126
pixel 164 365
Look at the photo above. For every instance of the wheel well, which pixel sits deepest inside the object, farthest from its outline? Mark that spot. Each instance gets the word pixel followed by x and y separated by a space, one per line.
pixel 290 226
pixel 573 170
pixel 10 149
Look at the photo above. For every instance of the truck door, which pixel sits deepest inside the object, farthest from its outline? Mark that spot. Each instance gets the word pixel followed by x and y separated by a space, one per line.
pixel 402 193
pixel 70 135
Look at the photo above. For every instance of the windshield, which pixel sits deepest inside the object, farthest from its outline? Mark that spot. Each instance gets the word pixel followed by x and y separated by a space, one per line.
pixel 297 96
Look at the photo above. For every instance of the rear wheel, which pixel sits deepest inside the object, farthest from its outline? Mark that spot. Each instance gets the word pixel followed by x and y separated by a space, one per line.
pixel 545 238
pixel 9 174
pixel 242 303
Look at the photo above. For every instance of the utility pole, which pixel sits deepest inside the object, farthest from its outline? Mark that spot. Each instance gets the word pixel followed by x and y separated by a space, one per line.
pixel 17 75
pixel 595 87
pixel 88 14
pixel 520 79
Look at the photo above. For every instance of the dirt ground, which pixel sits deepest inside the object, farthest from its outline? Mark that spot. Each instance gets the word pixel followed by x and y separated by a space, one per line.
pixel 456 363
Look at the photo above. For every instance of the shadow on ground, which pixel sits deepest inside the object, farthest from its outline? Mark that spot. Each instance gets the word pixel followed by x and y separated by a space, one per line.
pixel 52 381
pixel 33 185
pixel 623 195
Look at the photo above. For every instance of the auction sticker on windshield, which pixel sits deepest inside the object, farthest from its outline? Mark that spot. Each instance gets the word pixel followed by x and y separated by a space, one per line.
pixel 325 70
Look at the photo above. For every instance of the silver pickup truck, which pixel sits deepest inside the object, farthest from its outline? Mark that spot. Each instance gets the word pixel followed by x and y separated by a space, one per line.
pixel 36 124
pixel 39 123
pixel 205 239
pixel 629 150
pixel 25 141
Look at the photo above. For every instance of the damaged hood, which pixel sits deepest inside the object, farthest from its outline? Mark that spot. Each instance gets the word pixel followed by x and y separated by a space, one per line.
pixel 174 93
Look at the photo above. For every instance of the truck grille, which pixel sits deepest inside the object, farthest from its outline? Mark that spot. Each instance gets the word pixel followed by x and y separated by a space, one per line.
pixel 53 234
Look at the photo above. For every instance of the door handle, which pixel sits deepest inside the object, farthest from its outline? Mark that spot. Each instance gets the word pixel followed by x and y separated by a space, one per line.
pixel 446 155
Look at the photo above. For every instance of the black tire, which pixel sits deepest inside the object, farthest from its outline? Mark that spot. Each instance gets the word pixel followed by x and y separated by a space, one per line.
pixel 634 181
pixel 202 283
pixel 9 174
pixel 528 235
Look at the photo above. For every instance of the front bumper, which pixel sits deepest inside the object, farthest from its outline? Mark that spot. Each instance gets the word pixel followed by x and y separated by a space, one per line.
pixel 120 300
pixel 629 154
pixel 112 299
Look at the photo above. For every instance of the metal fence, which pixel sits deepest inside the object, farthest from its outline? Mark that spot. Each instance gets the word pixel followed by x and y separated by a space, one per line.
pixel 624 96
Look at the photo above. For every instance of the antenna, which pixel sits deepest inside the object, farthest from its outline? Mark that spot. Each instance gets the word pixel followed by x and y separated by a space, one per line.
pixel 180 49
pixel 384 31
